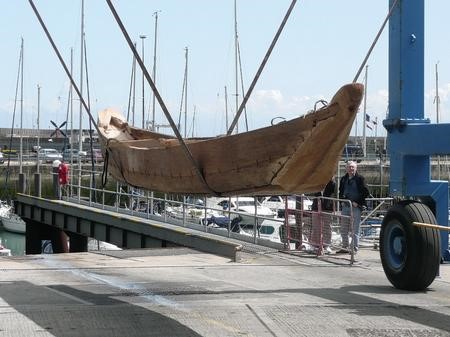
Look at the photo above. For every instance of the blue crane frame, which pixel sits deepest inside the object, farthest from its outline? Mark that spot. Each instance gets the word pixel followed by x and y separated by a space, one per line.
pixel 411 138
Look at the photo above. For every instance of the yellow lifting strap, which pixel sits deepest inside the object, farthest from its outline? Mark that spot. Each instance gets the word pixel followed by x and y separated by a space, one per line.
pixel 429 225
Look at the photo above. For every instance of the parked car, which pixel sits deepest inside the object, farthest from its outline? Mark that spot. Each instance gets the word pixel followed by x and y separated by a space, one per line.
pixel 96 155
pixel 74 154
pixel 2 160
pixel 49 155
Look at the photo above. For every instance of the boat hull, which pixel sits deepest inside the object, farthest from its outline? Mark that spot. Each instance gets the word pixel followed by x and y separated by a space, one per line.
pixel 14 224
pixel 297 156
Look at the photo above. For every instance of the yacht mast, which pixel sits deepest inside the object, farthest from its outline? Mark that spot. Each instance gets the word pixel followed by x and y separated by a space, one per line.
pixel 72 138
pixel 38 127
pixel 226 109
pixel 185 92
pixel 365 114
pixel 80 134
pixel 236 85
pixel 154 68
pixel 21 109
pixel 143 37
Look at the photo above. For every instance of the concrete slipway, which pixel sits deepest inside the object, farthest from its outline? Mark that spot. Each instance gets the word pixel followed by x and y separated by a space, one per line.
pixel 182 292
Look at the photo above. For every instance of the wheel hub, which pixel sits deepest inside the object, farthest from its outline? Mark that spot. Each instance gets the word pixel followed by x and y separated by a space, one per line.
pixel 397 245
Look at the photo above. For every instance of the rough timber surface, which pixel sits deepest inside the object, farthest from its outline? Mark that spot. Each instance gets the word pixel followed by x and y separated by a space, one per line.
pixel 197 294
pixel 292 157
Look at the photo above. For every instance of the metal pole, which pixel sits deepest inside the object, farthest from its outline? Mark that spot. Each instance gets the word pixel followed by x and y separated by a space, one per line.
pixel 236 64
pixel 37 175
pixel 143 82
pixel 154 69
pixel 226 108
pixel 38 127
pixel 72 140
pixel 21 107
pixel 80 135
pixel 185 94
pixel 365 114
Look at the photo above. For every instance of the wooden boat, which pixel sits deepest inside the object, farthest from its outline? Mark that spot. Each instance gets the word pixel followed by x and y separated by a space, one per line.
pixel 296 156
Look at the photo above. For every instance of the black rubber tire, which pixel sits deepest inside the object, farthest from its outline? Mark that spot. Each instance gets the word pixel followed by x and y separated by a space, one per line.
pixel 410 255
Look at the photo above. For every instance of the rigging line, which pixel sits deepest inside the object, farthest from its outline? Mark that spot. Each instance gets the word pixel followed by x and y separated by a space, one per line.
pixel 69 99
pixel 63 64
pixel 182 94
pixel 19 70
pixel 261 67
pixel 242 83
pixel 90 122
pixel 391 10
pixel 133 69
pixel 159 98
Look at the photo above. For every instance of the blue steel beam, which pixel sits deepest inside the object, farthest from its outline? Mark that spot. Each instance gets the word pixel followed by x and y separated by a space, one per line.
pixel 411 137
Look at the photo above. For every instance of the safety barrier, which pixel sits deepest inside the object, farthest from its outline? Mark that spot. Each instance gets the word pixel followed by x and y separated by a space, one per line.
pixel 319 231
pixel 298 228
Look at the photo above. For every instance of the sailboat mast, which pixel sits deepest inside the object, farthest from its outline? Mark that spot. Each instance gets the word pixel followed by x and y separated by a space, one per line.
pixel 21 108
pixel 133 107
pixel 236 63
pixel 226 108
pixel 185 91
pixel 80 135
pixel 72 138
pixel 154 68
pixel 143 81
pixel 38 127
pixel 365 113
pixel 80 132
pixel 193 122
pixel 130 95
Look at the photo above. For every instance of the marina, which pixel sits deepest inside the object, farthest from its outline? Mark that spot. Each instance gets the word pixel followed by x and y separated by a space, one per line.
pixel 298 185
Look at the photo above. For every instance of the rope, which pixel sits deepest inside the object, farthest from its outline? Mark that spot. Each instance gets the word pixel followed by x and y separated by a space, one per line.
pixel 321 101
pixel 163 106
pixel 260 69
pixel 61 60
pixel 282 120
pixel 375 41
pixel 8 168
pixel 105 169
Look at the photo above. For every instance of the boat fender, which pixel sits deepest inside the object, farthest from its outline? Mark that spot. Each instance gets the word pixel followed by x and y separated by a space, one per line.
pixel 63 173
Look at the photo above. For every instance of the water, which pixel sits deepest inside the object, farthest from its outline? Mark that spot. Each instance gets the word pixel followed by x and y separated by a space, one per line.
pixel 13 241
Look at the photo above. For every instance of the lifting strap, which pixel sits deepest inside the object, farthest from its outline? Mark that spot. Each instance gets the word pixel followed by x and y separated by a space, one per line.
pixel 374 42
pixel 260 69
pixel 66 69
pixel 159 98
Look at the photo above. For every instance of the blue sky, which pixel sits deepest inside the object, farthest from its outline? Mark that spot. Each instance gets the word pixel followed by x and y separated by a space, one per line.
pixel 321 48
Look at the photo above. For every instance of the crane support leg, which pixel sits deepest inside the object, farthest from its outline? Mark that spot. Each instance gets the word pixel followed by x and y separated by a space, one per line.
pixel 412 139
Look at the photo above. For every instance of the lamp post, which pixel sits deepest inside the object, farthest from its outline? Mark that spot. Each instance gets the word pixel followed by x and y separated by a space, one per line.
pixel 143 83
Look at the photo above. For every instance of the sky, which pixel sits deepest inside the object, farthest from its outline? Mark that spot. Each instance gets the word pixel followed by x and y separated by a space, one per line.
pixel 320 49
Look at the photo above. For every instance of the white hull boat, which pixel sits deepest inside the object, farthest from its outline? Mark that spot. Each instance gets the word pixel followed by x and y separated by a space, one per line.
pixel 13 223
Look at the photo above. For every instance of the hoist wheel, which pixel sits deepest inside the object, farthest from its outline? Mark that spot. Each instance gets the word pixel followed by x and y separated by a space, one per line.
pixel 410 255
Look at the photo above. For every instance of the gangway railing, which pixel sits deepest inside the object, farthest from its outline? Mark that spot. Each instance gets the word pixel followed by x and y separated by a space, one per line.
pixel 300 230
